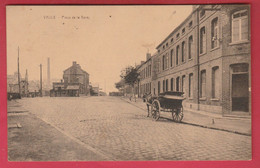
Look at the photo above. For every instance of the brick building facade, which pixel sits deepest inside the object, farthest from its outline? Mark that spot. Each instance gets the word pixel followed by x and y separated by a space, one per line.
pixel 208 58
pixel 144 84
pixel 74 75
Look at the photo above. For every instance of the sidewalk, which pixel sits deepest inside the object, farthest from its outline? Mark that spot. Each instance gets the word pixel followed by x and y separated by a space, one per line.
pixel 206 119
pixel 32 139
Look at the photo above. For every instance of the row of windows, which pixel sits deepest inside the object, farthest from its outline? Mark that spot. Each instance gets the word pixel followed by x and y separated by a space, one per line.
pixel 175 58
pixel 145 88
pixel 178 84
pixel 146 72
pixel 177 35
pixel 239 31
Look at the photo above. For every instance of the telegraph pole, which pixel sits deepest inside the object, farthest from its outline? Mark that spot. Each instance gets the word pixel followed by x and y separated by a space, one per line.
pixel 41 80
pixel 19 83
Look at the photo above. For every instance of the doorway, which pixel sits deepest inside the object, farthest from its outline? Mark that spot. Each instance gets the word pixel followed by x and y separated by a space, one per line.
pixel 240 91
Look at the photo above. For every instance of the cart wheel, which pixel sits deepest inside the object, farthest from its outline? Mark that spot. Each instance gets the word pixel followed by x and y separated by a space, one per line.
pixel 156 110
pixel 177 114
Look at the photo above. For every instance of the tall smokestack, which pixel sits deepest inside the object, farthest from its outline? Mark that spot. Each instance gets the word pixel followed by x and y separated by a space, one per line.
pixel 48 73
pixel 26 76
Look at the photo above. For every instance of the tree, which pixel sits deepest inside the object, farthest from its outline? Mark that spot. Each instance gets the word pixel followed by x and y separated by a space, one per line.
pixel 130 76
pixel 120 85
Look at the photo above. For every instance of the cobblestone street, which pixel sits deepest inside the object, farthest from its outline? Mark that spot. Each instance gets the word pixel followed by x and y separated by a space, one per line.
pixel 122 131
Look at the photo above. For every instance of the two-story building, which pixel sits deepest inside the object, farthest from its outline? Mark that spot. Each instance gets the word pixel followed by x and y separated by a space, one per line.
pixel 74 75
pixel 208 58
pixel 144 84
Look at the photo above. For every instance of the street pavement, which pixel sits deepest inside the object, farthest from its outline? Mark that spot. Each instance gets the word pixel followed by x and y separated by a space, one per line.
pixel 236 124
pixel 113 129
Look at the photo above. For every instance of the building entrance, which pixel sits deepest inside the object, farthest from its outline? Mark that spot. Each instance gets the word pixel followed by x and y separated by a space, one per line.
pixel 240 89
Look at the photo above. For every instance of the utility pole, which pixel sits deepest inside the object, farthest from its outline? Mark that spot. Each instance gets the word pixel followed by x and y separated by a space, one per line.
pixel 41 80
pixel 19 83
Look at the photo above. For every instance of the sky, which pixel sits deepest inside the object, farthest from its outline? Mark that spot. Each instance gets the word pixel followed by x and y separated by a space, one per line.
pixel 102 39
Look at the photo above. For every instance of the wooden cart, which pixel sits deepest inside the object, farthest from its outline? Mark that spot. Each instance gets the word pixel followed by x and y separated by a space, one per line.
pixel 167 102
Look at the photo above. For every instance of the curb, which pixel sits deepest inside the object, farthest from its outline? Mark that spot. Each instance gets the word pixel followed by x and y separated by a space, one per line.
pixel 197 125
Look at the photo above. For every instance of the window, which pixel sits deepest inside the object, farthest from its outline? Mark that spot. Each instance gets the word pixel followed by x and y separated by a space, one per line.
pixel 166 44
pixel 183 83
pixel 191 85
pixel 166 84
pixel 202 40
pixel 158 51
pixel 150 70
pixel 163 85
pixel 178 35
pixel 172 83
pixel 163 47
pixel 183 51
pixel 178 84
pixel 172 40
pixel 214 33
pixel 215 82
pixel 203 84
pixel 190 24
pixel 171 58
pixel 190 47
pixel 183 31
pixel 177 54
pixel 166 61
pixel 240 26
pixel 163 62
pixel 202 13
pixel 159 87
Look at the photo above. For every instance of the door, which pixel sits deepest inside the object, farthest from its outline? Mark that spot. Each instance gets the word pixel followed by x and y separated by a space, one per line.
pixel 240 92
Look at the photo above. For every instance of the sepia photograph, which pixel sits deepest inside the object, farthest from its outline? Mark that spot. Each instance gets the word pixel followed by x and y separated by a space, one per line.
pixel 129 82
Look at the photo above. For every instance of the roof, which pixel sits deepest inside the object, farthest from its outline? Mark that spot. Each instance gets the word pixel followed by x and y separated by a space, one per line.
pixel 78 68
pixel 176 29
pixel 139 66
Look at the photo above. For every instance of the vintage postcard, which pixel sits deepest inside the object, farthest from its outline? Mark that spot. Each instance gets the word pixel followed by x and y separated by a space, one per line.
pixel 129 82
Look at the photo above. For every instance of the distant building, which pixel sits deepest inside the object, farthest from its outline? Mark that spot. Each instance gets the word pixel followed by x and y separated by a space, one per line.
pixel 143 85
pixel 75 82
pixel 13 86
pixel 74 75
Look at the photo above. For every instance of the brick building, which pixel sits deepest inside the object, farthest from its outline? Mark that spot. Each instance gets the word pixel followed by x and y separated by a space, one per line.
pixel 144 84
pixel 74 75
pixel 208 58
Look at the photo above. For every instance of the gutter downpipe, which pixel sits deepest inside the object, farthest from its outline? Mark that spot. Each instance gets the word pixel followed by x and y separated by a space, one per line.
pixel 198 58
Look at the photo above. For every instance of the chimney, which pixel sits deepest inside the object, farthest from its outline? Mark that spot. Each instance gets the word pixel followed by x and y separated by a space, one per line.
pixel 148 56
pixel 26 76
pixel 74 63
pixel 142 62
